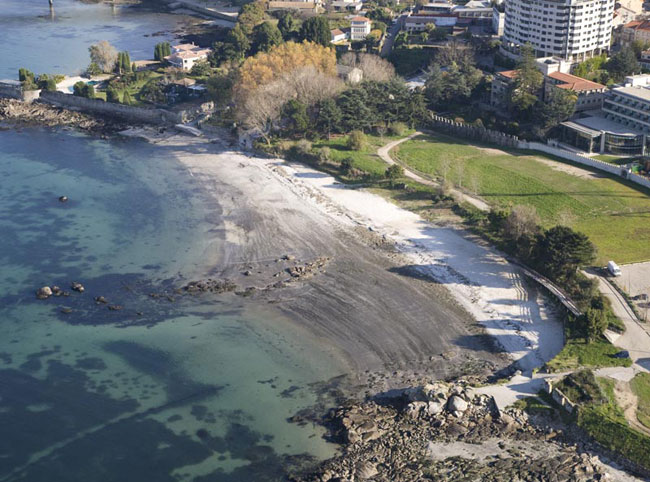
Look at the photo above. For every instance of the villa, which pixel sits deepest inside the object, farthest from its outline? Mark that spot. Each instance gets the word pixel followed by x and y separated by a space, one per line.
pixel 184 56
pixel 359 28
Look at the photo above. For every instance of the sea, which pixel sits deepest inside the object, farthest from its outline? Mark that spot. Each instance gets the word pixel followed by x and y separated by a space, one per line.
pixel 151 385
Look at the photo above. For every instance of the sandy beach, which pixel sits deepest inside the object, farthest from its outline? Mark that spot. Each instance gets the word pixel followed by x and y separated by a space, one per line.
pixel 398 293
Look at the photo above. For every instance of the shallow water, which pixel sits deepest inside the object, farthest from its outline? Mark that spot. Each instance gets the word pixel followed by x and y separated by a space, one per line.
pixel 190 389
pixel 56 41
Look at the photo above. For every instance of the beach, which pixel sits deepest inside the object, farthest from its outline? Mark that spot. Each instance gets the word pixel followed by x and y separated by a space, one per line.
pixel 398 293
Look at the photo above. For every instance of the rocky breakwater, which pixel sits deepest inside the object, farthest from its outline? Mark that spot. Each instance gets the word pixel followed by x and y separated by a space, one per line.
pixel 439 432
pixel 20 113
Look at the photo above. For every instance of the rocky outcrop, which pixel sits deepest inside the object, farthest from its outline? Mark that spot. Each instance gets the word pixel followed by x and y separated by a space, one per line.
pixel 28 114
pixel 395 438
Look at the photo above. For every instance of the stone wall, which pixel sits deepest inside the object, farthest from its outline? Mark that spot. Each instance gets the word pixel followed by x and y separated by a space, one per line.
pixel 467 131
pixel 560 398
pixel 11 91
pixel 124 112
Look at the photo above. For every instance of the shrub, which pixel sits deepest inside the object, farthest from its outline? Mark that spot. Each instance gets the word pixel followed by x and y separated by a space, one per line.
pixel 357 141
pixel 303 147
pixel 112 95
pixel 324 154
pixel 93 69
pixel 397 129
pixel 394 171
pixel 346 164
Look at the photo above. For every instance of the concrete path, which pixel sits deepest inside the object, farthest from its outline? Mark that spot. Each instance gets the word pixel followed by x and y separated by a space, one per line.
pixel 636 339
pixel 384 153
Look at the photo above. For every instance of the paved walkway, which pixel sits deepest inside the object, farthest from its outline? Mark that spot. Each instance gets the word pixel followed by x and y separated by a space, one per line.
pixel 384 153
pixel 636 339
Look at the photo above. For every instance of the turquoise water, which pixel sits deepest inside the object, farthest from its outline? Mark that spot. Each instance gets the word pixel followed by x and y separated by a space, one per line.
pixel 190 389
pixel 56 41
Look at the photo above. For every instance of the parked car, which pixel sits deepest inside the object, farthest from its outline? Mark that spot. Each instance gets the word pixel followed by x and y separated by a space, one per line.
pixel 613 269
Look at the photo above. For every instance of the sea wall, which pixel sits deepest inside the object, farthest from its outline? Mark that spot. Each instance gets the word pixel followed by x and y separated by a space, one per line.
pixel 124 112
pixel 13 90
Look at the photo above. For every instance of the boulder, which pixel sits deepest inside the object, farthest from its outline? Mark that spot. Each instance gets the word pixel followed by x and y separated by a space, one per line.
pixel 44 293
pixel 77 287
pixel 434 408
pixel 56 291
pixel 456 404
pixel 366 470
pixel 63 199
pixel 414 409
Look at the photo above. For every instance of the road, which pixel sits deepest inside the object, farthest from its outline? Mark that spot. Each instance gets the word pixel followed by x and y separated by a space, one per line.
pixel 636 339
pixel 391 33
pixel 384 153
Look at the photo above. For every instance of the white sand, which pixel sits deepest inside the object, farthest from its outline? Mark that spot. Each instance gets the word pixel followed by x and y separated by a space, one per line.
pixel 480 279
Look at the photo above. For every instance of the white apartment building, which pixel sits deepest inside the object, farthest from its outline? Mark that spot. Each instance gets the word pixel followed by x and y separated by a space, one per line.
pixel 571 29
pixel 359 28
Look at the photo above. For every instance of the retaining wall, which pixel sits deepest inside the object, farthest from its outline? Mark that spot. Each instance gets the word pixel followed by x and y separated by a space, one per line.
pixel 473 132
pixel 572 156
pixel 10 90
pixel 98 106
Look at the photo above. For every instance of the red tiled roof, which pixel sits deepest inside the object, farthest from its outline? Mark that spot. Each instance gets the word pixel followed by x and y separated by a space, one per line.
pixel 638 25
pixel 510 74
pixel 337 31
pixel 577 84
pixel 360 19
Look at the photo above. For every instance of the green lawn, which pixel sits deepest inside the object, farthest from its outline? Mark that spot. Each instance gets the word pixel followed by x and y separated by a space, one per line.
pixel 613 159
pixel 641 386
pixel 367 159
pixel 614 214
pixel 576 353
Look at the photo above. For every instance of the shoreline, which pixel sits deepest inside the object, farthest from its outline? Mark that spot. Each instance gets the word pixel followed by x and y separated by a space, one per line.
pixel 422 257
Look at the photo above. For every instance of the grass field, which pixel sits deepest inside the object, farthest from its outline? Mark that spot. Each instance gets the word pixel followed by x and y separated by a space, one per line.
pixel 614 214
pixel 641 386
pixel 576 353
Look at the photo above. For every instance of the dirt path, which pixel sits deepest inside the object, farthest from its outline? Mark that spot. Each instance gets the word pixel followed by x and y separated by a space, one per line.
pixel 628 402
pixel 384 153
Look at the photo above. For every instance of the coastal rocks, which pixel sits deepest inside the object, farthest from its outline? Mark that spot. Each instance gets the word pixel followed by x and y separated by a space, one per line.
pixel 76 286
pixel 44 293
pixel 210 286
pixel 308 269
pixel 366 470
pixel 63 199
pixel 100 300
pixel 456 405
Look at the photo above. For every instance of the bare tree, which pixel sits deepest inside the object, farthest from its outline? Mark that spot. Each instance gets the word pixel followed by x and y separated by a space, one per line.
pixel 104 55
pixel 456 52
pixel 263 107
pixel 522 220
pixel 460 172
pixel 445 167
pixel 566 218
pixel 474 184
pixel 373 66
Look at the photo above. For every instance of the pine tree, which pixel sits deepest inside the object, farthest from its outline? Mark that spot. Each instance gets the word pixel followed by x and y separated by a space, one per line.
pixel 126 98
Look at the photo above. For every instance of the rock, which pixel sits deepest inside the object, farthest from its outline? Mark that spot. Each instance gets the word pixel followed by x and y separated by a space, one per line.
pixel 288 257
pixel 366 470
pixel 56 291
pixel 456 404
pixel 414 409
pixel 248 273
pixel 76 286
pixel 100 299
pixel 66 310
pixel 114 307
pixel 434 408
pixel 44 293
pixel 63 199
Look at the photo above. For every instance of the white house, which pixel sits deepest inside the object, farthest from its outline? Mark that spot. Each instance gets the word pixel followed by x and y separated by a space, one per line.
pixel 359 28
pixel 338 35
pixel 184 56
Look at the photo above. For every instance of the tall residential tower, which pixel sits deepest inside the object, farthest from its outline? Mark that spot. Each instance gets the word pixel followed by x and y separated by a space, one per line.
pixel 573 30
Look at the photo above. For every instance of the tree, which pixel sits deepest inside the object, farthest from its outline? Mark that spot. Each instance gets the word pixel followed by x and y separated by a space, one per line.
pixel 25 75
pixel 522 221
pixel 622 64
pixel 595 323
pixel 357 141
pixel 93 69
pixel 265 67
pixel 394 172
pixel 561 250
pixel 374 68
pixel 201 69
pixel 161 50
pixel 123 64
pixel 527 83
pixel 220 88
pixel 250 15
pixel 424 37
pixel 317 30
pixel 104 55
pixel 559 106
pixel 329 117
pixel 287 25
pixel 112 95
pixel 265 36
pixel 126 98
pixel 296 114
